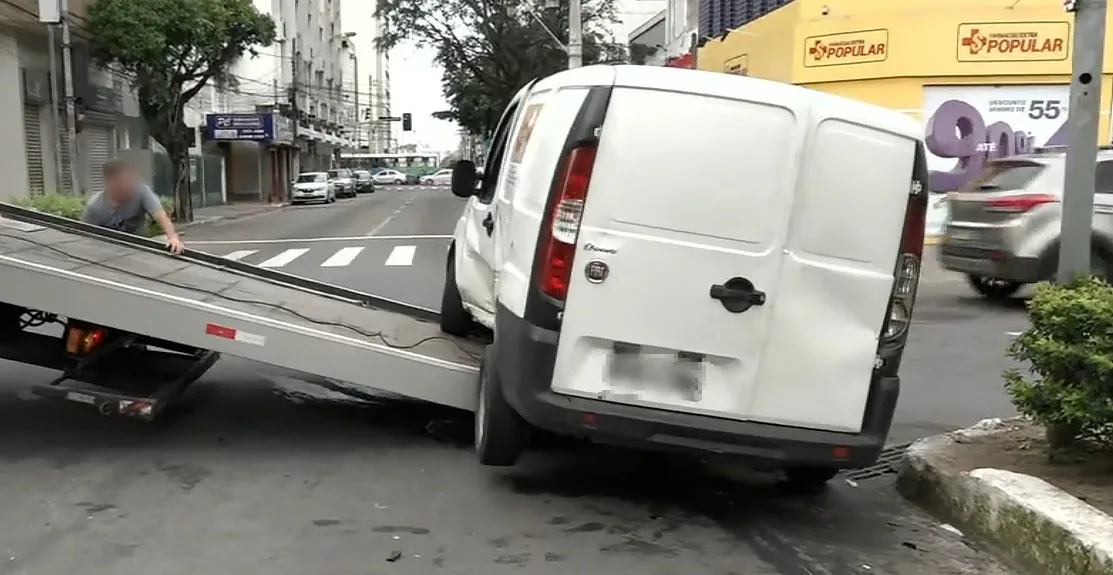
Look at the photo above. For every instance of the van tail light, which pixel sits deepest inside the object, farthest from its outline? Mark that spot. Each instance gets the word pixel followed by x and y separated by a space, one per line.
pixel 84 340
pixel 907 273
pixel 564 221
pixel 1018 204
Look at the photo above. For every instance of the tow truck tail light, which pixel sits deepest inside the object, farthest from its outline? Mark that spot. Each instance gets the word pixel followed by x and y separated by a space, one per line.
pixel 564 221
pixel 83 340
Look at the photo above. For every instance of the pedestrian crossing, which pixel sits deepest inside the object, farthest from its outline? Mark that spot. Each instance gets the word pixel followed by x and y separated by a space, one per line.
pixel 332 257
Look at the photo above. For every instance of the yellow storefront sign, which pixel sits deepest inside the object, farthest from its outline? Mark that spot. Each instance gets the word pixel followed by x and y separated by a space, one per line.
pixel 858 47
pixel 1013 41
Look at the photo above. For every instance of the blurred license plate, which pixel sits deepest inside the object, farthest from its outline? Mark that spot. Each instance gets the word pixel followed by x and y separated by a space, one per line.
pixel 657 376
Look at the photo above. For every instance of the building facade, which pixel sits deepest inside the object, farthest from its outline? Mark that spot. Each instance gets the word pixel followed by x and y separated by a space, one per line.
pixel 372 83
pixel 287 109
pixel 987 80
pixel 647 41
pixel 682 19
pixel 39 144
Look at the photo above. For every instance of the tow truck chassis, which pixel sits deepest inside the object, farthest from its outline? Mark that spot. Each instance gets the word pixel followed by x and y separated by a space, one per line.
pixel 129 374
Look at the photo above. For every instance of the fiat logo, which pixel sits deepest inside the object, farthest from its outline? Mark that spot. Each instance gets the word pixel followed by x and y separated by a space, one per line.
pixel 596 271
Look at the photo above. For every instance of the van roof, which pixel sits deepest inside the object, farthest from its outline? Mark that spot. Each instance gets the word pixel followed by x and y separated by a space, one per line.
pixel 799 100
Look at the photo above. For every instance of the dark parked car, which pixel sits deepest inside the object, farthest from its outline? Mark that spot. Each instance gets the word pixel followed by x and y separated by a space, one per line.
pixel 364 183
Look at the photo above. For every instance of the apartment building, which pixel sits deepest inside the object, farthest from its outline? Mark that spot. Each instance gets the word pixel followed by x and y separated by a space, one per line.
pixel 370 78
pixel 287 109
pixel 39 144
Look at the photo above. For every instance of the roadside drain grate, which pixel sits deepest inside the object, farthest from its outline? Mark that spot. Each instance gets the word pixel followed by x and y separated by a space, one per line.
pixel 888 463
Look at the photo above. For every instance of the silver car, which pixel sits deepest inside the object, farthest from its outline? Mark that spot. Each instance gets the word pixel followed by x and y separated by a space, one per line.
pixel 343 182
pixel 1003 228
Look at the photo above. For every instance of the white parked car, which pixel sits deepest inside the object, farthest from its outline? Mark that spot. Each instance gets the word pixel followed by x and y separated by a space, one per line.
pixel 312 187
pixel 736 308
pixel 440 178
pixel 389 177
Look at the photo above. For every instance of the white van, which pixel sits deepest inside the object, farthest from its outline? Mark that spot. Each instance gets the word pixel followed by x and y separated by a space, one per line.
pixel 689 260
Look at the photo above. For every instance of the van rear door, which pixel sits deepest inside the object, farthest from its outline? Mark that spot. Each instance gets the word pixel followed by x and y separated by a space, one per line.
pixel 711 278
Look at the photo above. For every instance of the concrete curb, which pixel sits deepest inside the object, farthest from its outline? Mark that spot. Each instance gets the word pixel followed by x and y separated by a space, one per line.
pixel 1033 522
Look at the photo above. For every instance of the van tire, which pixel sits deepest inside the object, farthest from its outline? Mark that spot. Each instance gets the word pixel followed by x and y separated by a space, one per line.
pixel 455 320
pixel 501 435
pixel 808 479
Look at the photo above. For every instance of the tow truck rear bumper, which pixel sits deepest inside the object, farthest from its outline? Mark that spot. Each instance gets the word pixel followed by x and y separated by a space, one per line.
pixel 527 356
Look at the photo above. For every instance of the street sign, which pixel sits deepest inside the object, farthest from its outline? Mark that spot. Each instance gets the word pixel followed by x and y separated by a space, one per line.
pixel 390 118
pixel 252 127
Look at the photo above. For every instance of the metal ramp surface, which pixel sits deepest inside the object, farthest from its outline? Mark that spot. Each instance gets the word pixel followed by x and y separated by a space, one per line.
pixel 130 283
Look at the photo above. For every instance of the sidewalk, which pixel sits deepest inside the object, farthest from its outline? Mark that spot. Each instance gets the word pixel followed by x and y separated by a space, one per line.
pixel 230 212
pixel 983 480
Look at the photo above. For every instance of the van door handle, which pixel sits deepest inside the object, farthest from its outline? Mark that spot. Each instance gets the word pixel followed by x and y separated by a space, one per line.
pixel 489 224
pixel 737 294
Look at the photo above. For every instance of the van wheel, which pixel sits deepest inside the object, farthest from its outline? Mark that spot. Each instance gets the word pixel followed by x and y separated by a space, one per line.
pixel 994 289
pixel 455 320
pixel 808 479
pixel 501 435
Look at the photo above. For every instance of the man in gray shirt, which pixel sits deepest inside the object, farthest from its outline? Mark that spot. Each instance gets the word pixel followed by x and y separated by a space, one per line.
pixel 125 203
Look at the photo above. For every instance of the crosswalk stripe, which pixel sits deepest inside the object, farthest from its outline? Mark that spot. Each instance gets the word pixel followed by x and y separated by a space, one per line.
pixel 284 258
pixel 342 258
pixel 401 256
pixel 239 255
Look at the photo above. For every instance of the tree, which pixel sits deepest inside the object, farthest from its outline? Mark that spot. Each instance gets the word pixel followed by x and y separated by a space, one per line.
pixel 170 50
pixel 489 49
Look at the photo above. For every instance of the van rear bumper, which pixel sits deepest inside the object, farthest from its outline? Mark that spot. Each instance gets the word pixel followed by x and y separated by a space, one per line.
pixel 526 359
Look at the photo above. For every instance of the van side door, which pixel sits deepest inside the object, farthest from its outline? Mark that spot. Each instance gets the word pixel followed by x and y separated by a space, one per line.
pixel 477 274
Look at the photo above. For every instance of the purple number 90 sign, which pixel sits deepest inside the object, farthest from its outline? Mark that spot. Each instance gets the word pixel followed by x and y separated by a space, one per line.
pixel 957 130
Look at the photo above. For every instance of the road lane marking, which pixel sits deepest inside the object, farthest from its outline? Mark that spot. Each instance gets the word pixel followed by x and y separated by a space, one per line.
pixel 239 255
pixel 386 221
pixel 284 258
pixel 401 256
pixel 315 240
pixel 342 258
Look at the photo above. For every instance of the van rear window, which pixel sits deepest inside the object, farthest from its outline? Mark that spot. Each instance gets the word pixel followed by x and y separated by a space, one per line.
pixel 1010 175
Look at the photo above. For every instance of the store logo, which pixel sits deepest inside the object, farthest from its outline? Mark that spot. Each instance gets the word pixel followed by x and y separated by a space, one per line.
pixel 1013 41
pixel 738 65
pixel 858 47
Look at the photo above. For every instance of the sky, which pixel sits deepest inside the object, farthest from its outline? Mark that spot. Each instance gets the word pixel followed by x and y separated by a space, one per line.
pixel 416 83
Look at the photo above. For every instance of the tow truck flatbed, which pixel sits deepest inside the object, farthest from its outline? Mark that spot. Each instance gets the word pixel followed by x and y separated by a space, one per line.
pixel 67 268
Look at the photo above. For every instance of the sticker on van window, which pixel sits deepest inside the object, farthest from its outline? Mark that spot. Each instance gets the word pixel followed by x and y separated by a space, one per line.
pixel 529 120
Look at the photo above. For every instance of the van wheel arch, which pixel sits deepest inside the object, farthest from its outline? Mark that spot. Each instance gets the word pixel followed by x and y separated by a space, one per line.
pixel 455 320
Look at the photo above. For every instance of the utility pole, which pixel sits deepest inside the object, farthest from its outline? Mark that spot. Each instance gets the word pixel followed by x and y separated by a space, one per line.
pixel 575 34
pixel 55 115
pixel 294 57
pixel 71 107
pixel 1082 127
pixel 355 70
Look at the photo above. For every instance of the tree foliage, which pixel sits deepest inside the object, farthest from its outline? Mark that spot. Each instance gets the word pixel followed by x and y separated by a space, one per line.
pixel 489 49
pixel 170 50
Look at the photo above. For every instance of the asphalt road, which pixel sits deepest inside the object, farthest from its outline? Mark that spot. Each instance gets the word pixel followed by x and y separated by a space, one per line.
pixel 263 471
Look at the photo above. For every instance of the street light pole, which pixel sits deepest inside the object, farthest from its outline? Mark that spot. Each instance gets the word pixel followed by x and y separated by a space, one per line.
pixel 1082 127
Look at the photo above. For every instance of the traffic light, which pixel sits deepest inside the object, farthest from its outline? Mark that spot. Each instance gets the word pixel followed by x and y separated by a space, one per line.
pixel 367 114
pixel 407 122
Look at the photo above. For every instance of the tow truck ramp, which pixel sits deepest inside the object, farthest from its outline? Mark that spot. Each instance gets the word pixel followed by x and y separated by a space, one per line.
pixel 134 284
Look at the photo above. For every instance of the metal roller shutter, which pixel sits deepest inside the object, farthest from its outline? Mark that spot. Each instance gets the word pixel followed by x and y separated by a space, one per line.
pixel 99 146
pixel 32 137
